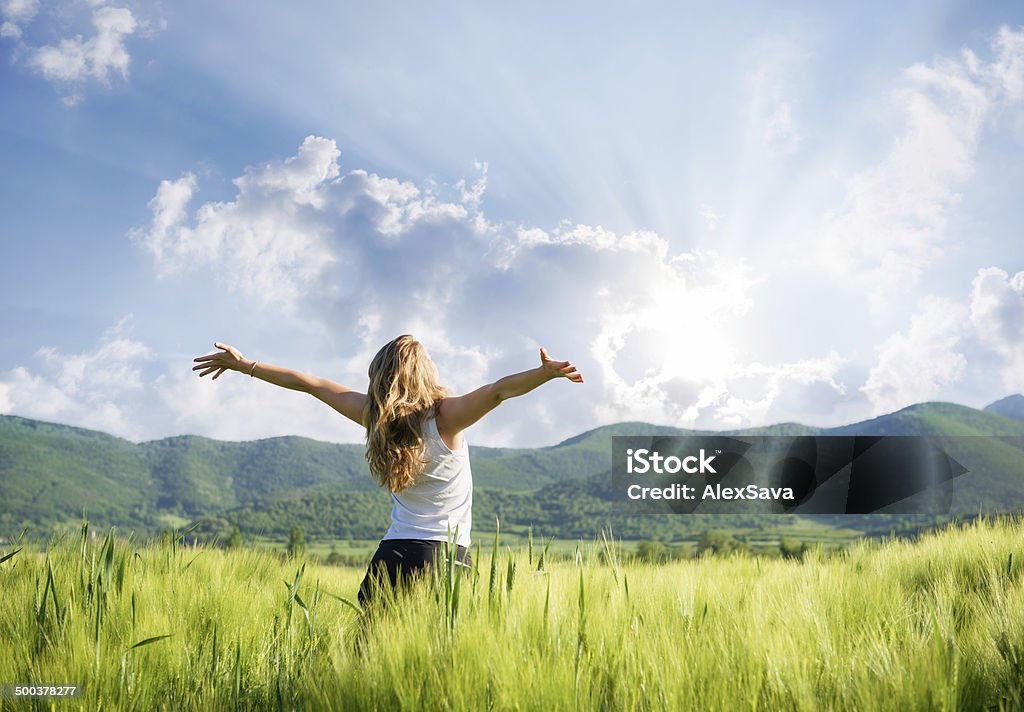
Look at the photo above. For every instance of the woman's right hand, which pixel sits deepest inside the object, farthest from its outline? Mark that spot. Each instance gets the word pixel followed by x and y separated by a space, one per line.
pixel 229 359
pixel 558 369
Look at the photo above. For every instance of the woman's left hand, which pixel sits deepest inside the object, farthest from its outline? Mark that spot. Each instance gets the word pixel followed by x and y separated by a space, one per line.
pixel 230 359
pixel 558 369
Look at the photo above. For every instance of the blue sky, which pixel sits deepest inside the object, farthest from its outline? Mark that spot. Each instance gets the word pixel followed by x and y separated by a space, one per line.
pixel 725 214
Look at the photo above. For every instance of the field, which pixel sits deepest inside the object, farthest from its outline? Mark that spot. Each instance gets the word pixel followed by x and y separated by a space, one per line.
pixel 894 625
pixel 762 539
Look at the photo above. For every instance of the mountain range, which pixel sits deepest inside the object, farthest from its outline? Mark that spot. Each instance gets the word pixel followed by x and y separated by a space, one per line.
pixel 51 473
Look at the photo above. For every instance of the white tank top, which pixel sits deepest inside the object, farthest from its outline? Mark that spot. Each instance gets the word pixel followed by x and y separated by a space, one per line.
pixel 441 497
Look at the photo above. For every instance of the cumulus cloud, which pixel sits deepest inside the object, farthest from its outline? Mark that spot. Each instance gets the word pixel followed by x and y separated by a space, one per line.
pixel 73 61
pixel 892 224
pixel 368 257
pixel 76 59
pixel 95 388
pixel 16 14
pixel 123 387
pixel 997 315
pixel 169 207
pixel 760 394
pixel 915 365
pixel 473 193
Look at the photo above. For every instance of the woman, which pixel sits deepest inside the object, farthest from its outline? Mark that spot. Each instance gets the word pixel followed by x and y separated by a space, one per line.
pixel 414 443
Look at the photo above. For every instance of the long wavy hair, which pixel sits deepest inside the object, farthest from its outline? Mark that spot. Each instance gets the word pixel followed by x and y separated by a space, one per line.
pixel 403 393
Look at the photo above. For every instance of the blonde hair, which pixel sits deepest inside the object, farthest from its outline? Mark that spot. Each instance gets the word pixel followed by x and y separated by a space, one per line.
pixel 402 395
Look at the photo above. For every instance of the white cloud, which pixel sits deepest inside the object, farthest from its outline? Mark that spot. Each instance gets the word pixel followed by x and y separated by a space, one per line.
pixel 997 314
pixel 122 387
pixel 73 61
pixel 76 59
pixel 16 13
pixel 915 366
pixel 369 257
pixel 1006 74
pixel 778 393
pixel 169 207
pixel 270 239
pixel 96 389
pixel 472 193
pixel 892 224
pixel 20 10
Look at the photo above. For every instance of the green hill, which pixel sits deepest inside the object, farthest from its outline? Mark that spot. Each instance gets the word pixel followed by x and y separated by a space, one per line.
pixel 942 419
pixel 49 473
pixel 1011 407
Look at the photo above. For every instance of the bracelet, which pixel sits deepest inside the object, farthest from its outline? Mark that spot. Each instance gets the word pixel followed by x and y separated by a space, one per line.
pixel 253 369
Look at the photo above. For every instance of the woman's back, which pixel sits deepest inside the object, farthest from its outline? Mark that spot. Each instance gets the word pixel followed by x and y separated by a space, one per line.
pixel 440 498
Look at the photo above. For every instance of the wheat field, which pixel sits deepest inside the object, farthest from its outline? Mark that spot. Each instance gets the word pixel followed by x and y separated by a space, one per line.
pixel 935 624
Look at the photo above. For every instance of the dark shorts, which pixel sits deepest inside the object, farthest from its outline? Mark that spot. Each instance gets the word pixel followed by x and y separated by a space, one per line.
pixel 401 558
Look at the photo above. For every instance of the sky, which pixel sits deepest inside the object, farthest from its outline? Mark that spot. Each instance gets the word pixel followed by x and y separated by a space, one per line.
pixel 724 214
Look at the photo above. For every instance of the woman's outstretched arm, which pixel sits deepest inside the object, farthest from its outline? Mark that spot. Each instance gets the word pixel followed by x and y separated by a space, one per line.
pixel 344 400
pixel 457 414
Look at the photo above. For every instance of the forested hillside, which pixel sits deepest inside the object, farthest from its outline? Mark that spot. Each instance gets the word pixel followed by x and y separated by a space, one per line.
pixel 50 473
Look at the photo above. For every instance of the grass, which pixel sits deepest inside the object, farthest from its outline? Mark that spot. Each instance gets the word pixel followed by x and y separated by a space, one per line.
pixel 928 625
